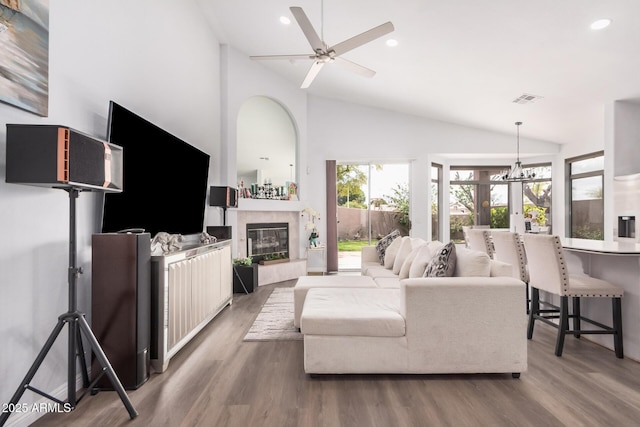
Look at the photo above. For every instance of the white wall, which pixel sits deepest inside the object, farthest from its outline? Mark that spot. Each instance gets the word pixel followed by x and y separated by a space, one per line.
pixel 626 122
pixel 241 79
pixel 350 132
pixel 155 57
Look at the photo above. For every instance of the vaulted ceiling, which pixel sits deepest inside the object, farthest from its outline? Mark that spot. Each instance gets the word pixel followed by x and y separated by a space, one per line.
pixel 460 61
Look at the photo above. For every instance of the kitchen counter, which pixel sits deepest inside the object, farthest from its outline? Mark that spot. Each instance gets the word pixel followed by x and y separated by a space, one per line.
pixel 618 263
pixel 598 246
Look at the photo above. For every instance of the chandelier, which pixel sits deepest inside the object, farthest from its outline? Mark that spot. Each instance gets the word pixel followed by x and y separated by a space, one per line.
pixel 516 173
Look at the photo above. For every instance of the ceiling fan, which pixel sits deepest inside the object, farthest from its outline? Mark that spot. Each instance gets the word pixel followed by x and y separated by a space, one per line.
pixel 323 53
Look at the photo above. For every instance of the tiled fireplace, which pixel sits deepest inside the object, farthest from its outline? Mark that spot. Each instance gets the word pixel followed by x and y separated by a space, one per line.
pixel 297 265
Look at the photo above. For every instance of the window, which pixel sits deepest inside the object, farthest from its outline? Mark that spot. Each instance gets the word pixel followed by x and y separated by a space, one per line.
pixel 478 198
pixel 536 194
pixel 436 182
pixel 585 181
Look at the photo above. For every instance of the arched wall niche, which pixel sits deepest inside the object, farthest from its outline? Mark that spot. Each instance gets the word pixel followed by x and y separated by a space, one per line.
pixel 267 143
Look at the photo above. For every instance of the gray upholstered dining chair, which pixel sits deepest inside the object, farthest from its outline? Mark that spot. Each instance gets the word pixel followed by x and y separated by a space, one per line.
pixel 508 247
pixel 480 240
pixel 548 272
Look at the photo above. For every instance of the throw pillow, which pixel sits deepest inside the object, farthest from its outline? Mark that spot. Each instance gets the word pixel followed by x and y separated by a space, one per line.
pixel 443 263
pixel 384 243
pixel 421 261
pixel 406 265
pixel 392 251
pixel 435 246
pixel 405 249
pixel 470 263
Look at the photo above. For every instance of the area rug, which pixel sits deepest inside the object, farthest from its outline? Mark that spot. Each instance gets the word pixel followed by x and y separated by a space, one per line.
pixel 275 320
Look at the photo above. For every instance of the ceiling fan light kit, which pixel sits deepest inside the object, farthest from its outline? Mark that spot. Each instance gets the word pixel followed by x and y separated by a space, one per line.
pixel 323 53
pixel 516 173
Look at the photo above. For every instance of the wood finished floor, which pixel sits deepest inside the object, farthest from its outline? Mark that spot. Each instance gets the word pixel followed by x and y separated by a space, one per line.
pixel 219 380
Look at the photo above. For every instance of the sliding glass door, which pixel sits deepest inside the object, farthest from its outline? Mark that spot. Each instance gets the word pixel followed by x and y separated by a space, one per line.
pixel 373 200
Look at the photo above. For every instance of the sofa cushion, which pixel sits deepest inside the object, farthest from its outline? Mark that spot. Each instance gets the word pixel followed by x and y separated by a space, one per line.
pixel 352 312
pixel 443 263
pixel 383 244
pixel 305 283
pixel 380 271
pixel 472 263
pixel 387 282
pixel 391 252
pixel 366 265
pixel 405 249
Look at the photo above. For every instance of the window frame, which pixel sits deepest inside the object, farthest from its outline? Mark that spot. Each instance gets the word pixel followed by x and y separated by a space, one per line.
pixel 479 182
pixel 569 177
pixel 438 181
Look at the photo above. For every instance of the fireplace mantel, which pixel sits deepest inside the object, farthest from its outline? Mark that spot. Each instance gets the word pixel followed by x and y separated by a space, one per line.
pixel 269 205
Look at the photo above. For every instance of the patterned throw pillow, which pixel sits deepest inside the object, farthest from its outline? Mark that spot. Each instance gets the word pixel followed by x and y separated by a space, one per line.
pixel 383 244
pixel 443 263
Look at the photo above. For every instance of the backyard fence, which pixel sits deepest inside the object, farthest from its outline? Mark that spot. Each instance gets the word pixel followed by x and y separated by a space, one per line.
pixel 354 223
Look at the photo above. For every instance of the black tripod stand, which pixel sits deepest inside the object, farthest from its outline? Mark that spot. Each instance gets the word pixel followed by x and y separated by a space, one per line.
pixel 77 327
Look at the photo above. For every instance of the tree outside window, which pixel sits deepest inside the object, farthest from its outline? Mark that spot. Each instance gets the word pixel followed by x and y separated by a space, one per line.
pixel 585 181
pixel 477 198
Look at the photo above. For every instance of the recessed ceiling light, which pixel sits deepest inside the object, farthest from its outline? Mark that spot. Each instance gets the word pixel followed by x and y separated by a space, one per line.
pixel 392 42
pixel 284 20
pixel 600 24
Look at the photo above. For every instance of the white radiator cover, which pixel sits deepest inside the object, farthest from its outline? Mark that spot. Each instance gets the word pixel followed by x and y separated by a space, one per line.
pixel 189 288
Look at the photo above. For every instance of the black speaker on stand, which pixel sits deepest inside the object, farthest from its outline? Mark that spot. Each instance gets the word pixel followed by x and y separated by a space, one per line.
pixel 60 157
pixel 222 197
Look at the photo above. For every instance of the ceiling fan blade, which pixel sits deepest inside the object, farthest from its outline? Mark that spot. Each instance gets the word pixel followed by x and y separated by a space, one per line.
pixel 313 72
pixel 362 38
pixel 307 29
pixel 356 68
pixel 289 57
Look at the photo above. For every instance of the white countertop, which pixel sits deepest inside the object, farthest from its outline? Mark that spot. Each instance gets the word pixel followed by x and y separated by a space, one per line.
pixel 599 246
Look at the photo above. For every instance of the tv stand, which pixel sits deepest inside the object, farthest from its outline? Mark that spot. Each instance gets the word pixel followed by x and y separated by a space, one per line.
pixel 189 288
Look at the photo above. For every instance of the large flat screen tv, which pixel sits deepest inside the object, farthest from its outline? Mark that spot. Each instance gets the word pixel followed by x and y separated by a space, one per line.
pixel 164 179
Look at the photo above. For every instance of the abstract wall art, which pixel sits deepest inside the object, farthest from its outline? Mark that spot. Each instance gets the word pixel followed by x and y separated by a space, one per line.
pixel 24 54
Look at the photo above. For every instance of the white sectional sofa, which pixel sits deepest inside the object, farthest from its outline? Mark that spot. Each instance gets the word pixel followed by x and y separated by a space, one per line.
pixel 473 322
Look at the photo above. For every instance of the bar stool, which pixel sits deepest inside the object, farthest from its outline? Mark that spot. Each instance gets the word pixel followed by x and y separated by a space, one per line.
pixel 548 272
pixel 480 240
pixel 508 247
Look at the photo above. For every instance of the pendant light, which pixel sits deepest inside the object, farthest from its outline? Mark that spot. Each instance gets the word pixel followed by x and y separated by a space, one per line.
pixel 516 173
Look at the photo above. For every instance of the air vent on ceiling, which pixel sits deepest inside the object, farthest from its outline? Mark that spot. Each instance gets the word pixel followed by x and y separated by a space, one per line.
pixel 526 98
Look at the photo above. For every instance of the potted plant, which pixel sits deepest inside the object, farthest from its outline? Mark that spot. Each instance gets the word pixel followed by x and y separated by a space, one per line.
pixel 243 261
pixel 274 258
